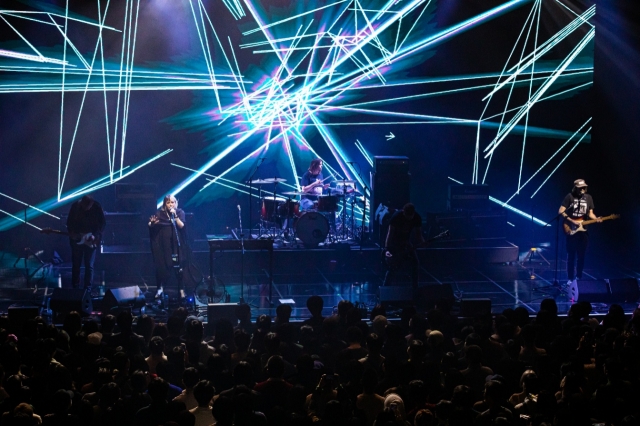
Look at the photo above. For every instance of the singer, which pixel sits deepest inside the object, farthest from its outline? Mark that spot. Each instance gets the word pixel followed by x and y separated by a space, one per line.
pixel 168 241
pixel 577 206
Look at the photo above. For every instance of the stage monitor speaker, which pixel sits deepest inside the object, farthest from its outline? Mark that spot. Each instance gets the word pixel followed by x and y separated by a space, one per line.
pixel 117 299
pixel 593 291
pixel 65 300
pixel 472 308
pixel 390 185
pixel 18 315
pixel 624 290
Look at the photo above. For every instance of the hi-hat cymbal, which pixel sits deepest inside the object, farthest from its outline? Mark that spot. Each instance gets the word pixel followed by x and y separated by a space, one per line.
pixel 258 182
pixel 274 180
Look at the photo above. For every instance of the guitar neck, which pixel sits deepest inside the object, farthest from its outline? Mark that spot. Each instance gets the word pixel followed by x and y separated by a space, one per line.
pixel 590 221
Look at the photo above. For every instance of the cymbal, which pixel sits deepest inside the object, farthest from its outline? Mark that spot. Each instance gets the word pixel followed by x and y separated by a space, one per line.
pixel 258 182
pixel 274 180
pixel 345 182
pixel 300 193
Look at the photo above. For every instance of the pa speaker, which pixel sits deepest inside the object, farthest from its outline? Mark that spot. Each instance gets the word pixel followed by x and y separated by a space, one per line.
pixel 472 308
pixel 624 290
pixel 65 300
pixel 594 291
pixel 122 298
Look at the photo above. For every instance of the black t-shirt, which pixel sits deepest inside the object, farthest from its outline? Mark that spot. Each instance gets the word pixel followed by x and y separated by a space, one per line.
pixel 403 228
pixel 578 208
pixel 82 221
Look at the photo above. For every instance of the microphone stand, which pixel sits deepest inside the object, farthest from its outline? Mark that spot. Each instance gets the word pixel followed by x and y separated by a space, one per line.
pixel 251 195
pixel 241 301
pixel 364 207
pixel 556 218
pixel 176 258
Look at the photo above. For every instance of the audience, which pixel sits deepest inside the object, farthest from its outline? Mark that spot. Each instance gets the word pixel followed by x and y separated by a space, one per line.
pixel 518 369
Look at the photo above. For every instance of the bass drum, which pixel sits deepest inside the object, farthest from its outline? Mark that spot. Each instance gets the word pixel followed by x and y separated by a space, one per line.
pixel 312 229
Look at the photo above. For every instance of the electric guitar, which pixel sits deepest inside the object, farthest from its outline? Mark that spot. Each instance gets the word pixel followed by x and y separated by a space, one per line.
pixel 571 229
pixel 85 239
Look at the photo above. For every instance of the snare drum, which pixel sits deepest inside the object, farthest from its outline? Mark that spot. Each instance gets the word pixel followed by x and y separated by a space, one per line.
pixel 270 206
pixel 312 228
pixel 327 203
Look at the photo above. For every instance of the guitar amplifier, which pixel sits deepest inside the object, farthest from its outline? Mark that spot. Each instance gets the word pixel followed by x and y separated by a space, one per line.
pixel 131 197
pixel 468 197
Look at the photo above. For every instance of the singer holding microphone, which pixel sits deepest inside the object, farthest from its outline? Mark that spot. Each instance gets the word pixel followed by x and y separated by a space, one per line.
pixel 168 241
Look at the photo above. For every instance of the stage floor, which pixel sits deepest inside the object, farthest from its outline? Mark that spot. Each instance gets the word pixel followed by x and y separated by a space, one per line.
pixel 355 276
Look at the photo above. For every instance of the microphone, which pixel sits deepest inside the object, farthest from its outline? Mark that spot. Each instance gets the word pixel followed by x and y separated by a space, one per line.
pixel 239 209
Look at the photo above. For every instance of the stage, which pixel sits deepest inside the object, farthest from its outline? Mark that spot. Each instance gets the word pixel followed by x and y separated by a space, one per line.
pixel 491 270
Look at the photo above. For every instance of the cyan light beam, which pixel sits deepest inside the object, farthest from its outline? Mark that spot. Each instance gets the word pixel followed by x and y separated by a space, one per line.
pixel 577 133
pixel 559 164
pixel 494 144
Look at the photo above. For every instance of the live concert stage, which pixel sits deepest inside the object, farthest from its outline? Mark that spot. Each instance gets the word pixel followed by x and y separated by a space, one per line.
pixel 273 150
pixel 475 276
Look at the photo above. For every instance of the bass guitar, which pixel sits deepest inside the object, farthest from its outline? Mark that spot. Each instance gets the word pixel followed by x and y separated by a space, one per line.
pixel 571 228
pixel 85 239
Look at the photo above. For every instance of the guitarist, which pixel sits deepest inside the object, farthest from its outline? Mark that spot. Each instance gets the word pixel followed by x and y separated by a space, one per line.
pixel 399 250
pixel 85 217
pixel 577 206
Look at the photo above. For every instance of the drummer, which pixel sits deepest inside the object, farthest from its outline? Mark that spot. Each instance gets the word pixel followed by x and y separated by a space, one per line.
pixel 312 183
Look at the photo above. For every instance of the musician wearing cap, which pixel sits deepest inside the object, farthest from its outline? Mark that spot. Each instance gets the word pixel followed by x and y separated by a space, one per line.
pixel 85 224
pixel 576 207
pixel 168 240
pixel 312 183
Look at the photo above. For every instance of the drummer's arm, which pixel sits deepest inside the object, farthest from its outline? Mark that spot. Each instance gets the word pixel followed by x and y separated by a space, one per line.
pixel 309 187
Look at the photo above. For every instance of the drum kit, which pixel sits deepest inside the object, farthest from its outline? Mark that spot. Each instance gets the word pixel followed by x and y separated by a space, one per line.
pixel 283 218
